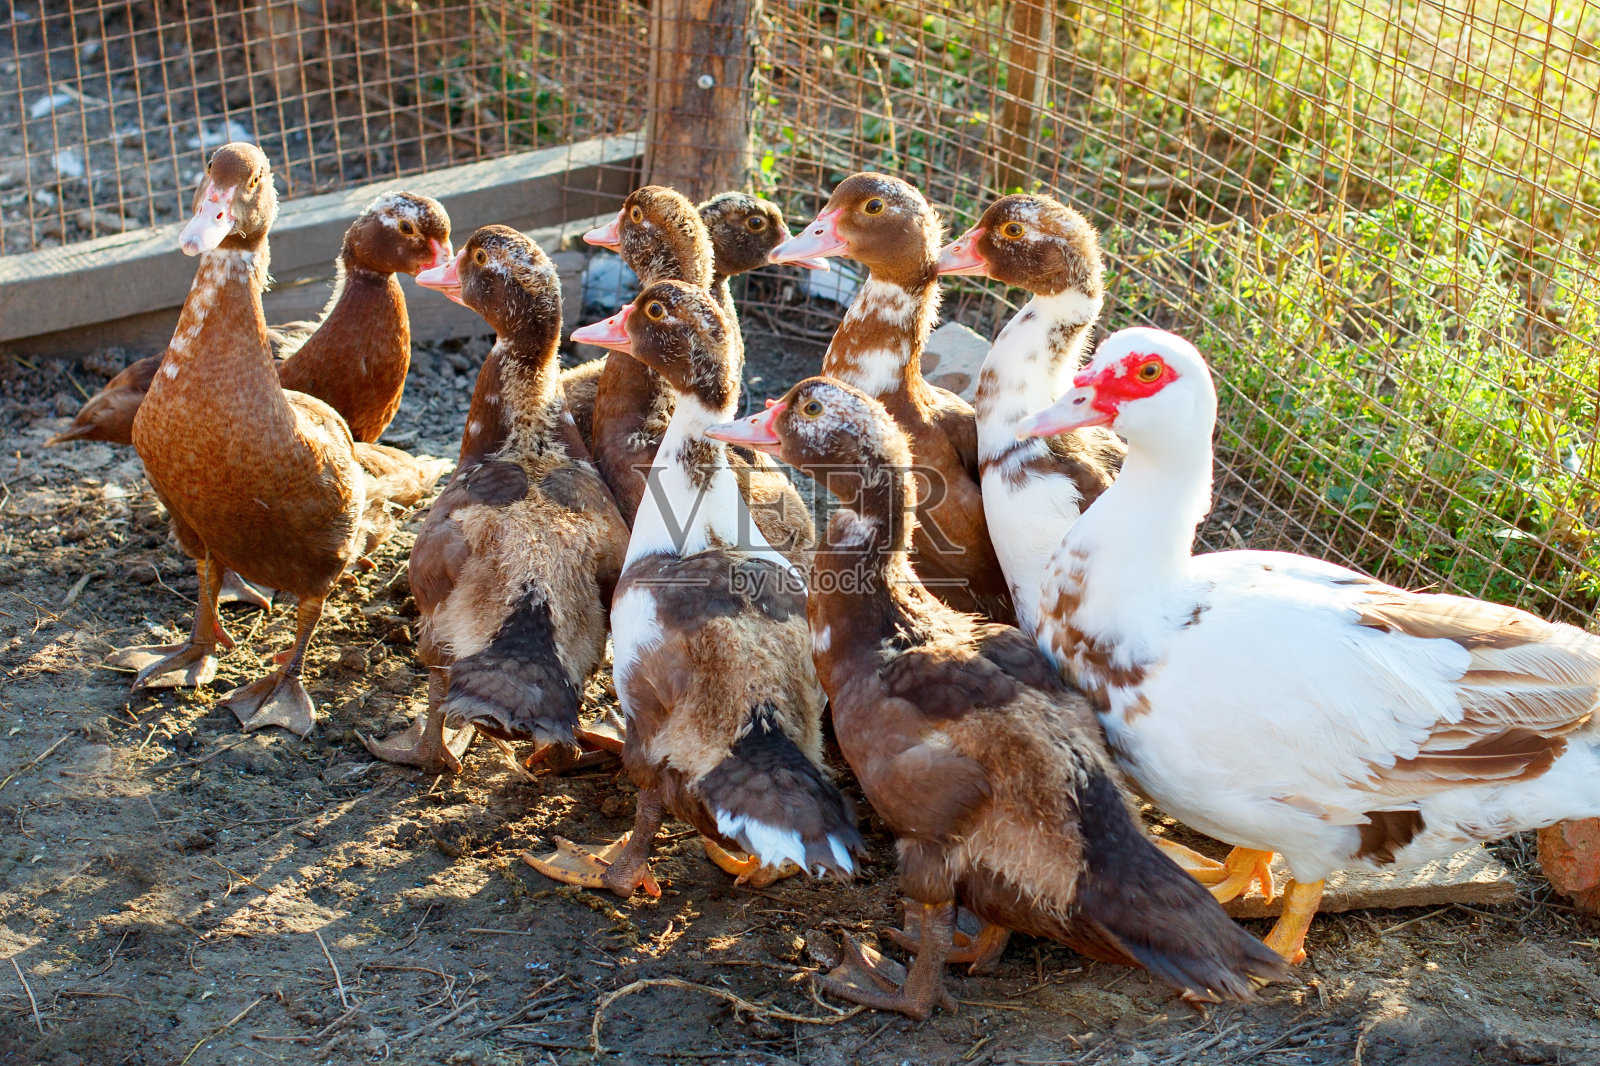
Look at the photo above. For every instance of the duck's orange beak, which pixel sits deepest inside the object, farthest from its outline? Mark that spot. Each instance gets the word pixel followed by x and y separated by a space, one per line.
pixel 445 278
pixel 607 333
pixel 607 236
pixel 213 220
pixel 961 256
pixel 814 263
pixel 754 432
pixel 817 241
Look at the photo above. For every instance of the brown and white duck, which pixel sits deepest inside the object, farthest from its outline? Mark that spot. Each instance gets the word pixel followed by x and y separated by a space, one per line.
pixel 886 224
pixel 743 230
pixel 259 480
pixel 660 237
pixel 514 568
pixel 987 767
pixel 358 355
pixel 1034 489
pixel 712 653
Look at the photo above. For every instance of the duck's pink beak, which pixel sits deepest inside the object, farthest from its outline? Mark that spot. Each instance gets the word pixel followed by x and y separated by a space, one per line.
pixel 607 333
pixel 1075 410
pixel 445 277
pixel 212 221
pixel 814 263
pixel 961 256
pixel 753 432
pixel 607 236
pixel 817 241
pixel 441 255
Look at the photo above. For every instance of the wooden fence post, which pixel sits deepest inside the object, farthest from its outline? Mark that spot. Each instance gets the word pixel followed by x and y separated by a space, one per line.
pixel 1027 80
pixel 701 65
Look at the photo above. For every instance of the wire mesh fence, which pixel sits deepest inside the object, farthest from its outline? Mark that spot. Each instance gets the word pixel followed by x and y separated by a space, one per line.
pixel 1379 220
pixel 109 108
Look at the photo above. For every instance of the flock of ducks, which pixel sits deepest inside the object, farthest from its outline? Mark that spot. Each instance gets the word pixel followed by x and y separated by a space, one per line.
pixel 1003 616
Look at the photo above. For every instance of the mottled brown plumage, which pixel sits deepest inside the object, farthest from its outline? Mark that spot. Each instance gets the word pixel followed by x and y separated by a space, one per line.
pixel 886 224
pixel 514 568
pixel 990 771
pixel 356 359
pixel 712 661
pixel 264 482
pixel 660 237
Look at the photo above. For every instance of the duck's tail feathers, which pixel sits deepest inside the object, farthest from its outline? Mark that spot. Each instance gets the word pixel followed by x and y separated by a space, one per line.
pixel 1133 897
pixel 516 688
pixel 396 482
pixel 777 805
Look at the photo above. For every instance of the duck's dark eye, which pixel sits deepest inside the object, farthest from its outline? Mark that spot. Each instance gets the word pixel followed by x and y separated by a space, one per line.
pixel 480 257
pixel 255 179
pixel 873 206
pixel 1012 230
pixel 812 409
pixel 655 311
pixel 635 215
pixel 407 228
pixel 1150 371
pixel 756 223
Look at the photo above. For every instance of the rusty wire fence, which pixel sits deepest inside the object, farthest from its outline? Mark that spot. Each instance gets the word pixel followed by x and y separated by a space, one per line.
pixel 109 108
pixel 1378 219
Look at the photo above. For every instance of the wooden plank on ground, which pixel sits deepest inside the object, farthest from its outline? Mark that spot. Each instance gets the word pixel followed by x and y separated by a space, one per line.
pixel 132 274
pixel 1472 877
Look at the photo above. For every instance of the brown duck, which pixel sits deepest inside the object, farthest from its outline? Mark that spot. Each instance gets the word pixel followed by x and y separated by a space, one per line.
pixel 258 480
pixel 515 566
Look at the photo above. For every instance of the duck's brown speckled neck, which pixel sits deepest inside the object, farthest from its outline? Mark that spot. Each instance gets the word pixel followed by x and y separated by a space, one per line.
pixel 878 347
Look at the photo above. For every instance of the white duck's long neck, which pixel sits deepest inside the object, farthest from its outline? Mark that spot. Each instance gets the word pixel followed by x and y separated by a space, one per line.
pixel 1029 365
pixel 1132 548
pixel 691 499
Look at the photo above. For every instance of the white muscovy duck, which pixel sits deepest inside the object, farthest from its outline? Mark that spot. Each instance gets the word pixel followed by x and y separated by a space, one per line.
pixel 1282 703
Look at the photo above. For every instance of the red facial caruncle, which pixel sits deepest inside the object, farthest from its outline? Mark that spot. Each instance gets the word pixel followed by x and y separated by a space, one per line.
pixel 1134 377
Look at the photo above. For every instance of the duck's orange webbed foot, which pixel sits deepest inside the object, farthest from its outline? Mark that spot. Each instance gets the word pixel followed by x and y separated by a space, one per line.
pixel 1288 936
pixel 598 743
pixel 279 699
pixel 621 867
pixel 864 976
pixel 235 589
pixel 748 870
pixel 1202 868
pixel 186 665
pixel 424 745
pixel 1242 868
pixel 596 868
pixel 973 942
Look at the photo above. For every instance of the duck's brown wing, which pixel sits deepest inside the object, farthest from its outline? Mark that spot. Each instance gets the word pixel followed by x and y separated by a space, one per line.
pixel 956 420
pixel 108 414
pixel 441 549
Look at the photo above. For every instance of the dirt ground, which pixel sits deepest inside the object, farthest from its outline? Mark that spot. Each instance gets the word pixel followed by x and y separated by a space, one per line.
pixel 172 892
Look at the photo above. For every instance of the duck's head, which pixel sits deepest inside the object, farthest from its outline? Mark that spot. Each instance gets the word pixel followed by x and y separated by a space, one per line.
pixel 875 219
pixel 235 202
pixel 830 431
pixel 744 230
pixel 504 277
pixel 1033 242
pixel 400 233
pixel 1150 386
pixel 678 331
pixel 658 234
